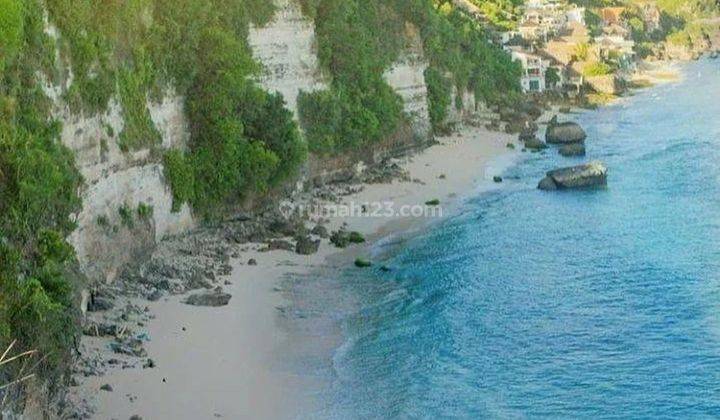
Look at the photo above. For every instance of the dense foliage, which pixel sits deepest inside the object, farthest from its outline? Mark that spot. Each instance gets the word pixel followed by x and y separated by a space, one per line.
pixel 358 41
pixel 244 141
pixel 501 13
pixel 682 22
pixel 458 46
pixel 39 191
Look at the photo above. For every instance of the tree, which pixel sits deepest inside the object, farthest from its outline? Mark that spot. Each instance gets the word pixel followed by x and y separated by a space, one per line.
pixel 552 77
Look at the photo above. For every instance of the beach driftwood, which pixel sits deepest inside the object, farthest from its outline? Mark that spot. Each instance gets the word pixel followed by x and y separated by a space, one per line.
pixel 593 174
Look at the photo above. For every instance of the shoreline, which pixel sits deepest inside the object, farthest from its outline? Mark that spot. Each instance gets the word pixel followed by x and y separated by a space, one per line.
pixel 233 361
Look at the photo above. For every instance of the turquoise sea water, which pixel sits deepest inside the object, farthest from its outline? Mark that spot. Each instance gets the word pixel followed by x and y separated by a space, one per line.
pixel 581 304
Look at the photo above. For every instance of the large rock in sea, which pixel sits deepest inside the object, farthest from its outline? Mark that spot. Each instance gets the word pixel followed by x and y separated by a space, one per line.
pixel 565 133
pixel 593 174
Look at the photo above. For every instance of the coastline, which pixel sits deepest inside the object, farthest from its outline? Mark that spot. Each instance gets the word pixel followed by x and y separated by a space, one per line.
pixel 240 360
pixel 235 361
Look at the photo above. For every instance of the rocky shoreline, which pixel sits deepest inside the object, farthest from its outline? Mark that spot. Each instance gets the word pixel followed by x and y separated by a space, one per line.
pixel 198 265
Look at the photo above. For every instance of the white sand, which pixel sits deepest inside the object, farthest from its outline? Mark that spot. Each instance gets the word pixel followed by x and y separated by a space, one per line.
pixel 657 72
pixel 229 361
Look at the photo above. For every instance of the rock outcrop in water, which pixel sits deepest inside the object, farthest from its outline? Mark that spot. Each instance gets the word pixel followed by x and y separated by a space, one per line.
pixel 564 133
pixel 593 174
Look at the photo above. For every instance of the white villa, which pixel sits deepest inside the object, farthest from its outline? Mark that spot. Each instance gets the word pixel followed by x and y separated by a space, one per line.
pixel 534 69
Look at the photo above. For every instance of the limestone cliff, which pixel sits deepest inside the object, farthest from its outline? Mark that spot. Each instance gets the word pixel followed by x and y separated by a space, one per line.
pixel 286 49
pixel 117 182
pixel 407 77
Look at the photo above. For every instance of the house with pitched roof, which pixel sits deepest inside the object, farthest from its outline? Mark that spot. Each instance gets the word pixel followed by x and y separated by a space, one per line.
pixel 612 15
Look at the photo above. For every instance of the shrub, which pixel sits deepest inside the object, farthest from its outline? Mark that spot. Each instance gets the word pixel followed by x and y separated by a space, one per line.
pixel 11 30
pixel 180 175
pixel 597 68
pixel 144 211
pixel 439 93
pixel 357 41
pixel 126 216
pixel 38 191
pixel 139 130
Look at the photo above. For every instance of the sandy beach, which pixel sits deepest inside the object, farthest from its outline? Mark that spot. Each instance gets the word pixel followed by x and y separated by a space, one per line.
pixel 651 73
pixel 232 361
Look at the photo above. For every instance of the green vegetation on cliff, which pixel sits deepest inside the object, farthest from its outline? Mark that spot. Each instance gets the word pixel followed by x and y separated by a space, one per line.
pixel 243 139
pixel 39 189
pixel 459 52
pixel 501 13
pixel 359 41
pixel 244 142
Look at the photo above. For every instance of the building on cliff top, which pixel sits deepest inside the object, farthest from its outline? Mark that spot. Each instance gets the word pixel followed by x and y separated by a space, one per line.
pixel 534 69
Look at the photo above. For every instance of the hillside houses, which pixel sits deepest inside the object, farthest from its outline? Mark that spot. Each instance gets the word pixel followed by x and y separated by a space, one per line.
pixel 564 48
pixel 556 36
pixel 534 67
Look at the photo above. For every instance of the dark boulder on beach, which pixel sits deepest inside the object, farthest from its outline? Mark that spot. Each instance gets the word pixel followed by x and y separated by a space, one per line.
pixel 593 174
pixel 575 149
pixel 320 231
pixel 214 298
pixel 342 238
pixel 100 301
pixel 278 244
pixel 307 246
pixel 528 131
pixel 535 143
pixel 564 133
pixel 362 263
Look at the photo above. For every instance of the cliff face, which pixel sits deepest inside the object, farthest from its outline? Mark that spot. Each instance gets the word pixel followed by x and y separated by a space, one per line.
pixel 462 107
pixel 286 49
pixel 407 77
pixel 105 239
pixel 118 181
pixel 111 232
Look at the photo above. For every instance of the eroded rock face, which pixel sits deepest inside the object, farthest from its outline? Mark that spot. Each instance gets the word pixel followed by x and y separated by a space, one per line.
pixel 565 133
pixel 593 174
pixel 407 78
pixel 286 48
